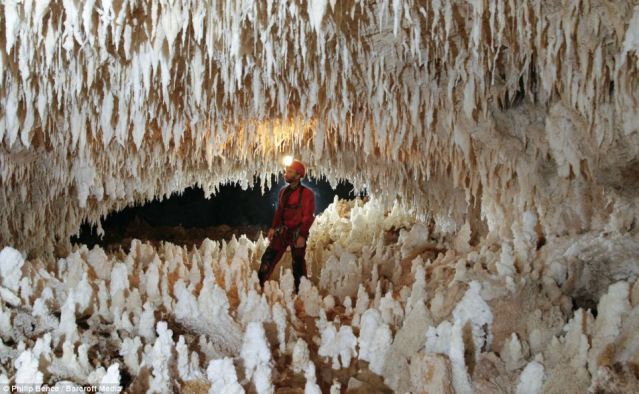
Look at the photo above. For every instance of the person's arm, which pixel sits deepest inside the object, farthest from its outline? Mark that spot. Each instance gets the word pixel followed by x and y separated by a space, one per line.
pixel 308 212
pixel 277 217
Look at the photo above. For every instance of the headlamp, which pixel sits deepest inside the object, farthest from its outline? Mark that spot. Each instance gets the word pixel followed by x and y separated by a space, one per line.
pixel 287 160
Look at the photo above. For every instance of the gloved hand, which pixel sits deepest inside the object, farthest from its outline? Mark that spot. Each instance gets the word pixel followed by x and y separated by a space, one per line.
pixel 300 241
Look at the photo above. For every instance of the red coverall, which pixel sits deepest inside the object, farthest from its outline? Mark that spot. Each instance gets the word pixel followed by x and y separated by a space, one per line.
pixel 294 216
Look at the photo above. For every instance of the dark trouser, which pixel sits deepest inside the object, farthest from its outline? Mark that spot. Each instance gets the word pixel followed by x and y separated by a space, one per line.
pixel 274 253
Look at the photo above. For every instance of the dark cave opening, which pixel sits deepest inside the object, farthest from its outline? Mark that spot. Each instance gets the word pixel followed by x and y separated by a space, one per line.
pixel 188 218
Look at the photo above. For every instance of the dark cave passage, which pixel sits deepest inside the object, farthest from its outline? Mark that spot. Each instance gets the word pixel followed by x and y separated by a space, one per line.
pixel 187 218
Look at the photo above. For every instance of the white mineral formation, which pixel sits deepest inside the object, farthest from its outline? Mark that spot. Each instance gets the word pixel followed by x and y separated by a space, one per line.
pixel 256 356
pixel 311 386
pixel 497 141
pixel 111 380
pixel 160 358
pixel 27 375
pixel 437 332
pixel 11 262
pixel 375 340
pixel 532 379
pixel 221 373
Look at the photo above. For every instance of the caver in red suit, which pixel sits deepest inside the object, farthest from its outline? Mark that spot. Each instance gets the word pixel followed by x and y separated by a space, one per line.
pixel 293 218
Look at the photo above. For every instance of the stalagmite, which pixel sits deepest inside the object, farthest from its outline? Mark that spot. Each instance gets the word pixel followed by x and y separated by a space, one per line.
pixel 311 386
pixel 447 337
pixel 531 379
pixel 257 357
pixel 27 373
pixel 223 377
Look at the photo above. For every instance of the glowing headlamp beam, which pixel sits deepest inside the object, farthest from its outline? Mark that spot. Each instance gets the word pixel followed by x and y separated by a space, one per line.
pixel 287 160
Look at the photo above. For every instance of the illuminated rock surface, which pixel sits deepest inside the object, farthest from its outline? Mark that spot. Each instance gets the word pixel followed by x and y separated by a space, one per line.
pixel 498 140
pixel 214 328
pixel 464 109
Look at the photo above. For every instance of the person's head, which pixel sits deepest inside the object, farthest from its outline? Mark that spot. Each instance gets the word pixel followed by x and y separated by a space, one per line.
pixel 294 172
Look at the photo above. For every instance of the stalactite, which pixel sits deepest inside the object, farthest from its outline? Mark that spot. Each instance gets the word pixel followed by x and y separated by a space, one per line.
pixel 184 92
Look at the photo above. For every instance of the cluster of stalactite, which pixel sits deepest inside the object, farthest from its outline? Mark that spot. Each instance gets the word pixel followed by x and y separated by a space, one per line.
pixel 473 110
